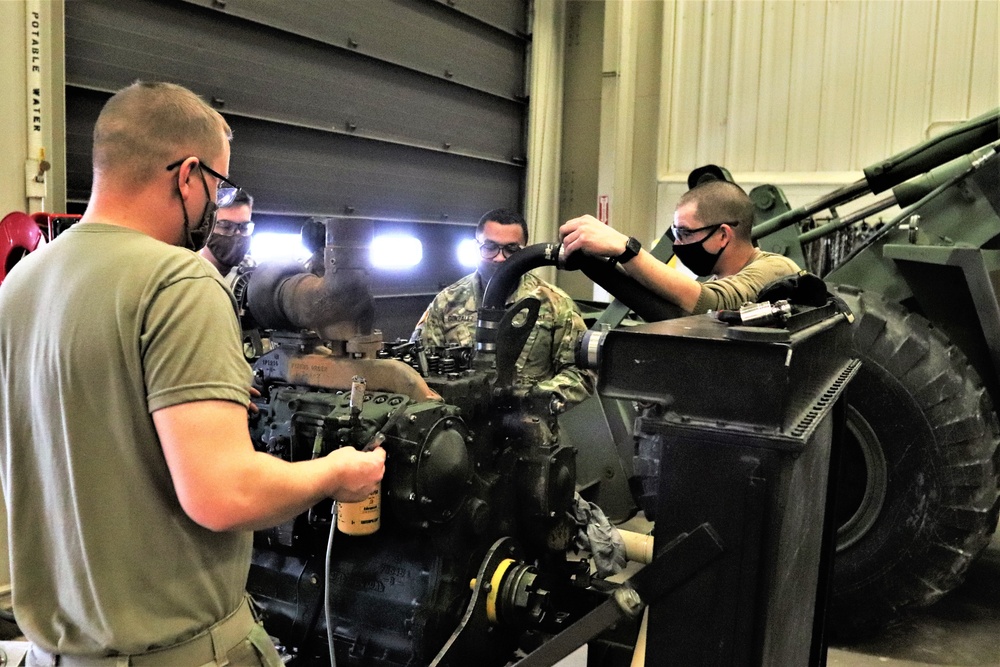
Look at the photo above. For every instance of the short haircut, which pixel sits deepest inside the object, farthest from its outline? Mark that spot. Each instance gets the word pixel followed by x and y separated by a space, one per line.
pixel 721 202
pixel 242 198
pixel 148 125
pixel 503 216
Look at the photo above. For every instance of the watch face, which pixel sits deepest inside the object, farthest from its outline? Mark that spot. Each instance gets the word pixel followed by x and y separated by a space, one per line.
pixel 632 248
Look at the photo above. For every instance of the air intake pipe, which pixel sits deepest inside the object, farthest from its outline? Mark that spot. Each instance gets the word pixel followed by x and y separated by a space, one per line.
pixel 640 299
pixel 335 301
pixel 501 285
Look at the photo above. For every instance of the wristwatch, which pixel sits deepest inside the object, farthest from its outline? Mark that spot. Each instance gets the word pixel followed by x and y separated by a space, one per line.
pixel 632 248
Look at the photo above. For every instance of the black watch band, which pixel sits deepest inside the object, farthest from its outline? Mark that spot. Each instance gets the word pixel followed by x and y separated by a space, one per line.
pixel 632 248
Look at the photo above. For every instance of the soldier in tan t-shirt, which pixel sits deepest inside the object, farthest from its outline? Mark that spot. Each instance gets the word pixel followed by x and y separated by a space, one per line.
pixel 711 235
pixel 130 479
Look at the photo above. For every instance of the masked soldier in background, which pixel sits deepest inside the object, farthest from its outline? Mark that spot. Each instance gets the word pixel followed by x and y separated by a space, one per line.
pixel 229 243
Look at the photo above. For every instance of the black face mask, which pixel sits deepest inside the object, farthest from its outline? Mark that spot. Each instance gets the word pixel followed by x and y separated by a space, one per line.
pixel 695 257
pixel 229 250
pixel 194 238
pixel 487 269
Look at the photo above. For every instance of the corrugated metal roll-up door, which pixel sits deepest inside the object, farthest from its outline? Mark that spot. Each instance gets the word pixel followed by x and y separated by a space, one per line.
pixel 411 113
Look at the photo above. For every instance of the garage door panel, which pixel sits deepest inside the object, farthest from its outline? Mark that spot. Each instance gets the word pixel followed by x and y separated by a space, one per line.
pixel 252 70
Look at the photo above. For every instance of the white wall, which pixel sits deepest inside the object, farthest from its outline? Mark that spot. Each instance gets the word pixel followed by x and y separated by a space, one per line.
pixel 806 94
pixel 829 86
pixel 801 94
pixel 20 49
pixel 45 51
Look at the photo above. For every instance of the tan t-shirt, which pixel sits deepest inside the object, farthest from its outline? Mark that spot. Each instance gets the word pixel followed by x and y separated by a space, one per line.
pixel 97 330
pixel 733 291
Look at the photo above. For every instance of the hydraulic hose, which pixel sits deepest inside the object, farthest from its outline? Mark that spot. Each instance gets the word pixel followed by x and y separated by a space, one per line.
pixel 841 196
pixel 908 211
pixel 903 194
pixel 954 143
pixel 890 172
pixel 860 214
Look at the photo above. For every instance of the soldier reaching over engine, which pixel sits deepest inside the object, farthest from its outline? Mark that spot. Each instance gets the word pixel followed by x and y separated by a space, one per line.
pixel 547 362
pixel 711 236
pixel 128 472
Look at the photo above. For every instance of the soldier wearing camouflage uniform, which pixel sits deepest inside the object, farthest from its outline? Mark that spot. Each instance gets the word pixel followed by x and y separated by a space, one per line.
pixel 547 361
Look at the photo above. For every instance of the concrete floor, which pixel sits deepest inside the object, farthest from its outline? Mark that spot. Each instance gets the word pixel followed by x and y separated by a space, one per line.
pixel 960 630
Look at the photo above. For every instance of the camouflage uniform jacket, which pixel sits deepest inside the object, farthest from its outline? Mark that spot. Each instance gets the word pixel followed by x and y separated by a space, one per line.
pixel 548 357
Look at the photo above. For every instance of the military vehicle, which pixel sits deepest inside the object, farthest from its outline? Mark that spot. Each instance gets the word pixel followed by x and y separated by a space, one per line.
pixel 918 481
pixel 917 496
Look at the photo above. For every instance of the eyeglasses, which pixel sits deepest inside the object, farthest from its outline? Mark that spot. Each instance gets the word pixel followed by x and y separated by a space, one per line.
pixel 683 235
pixel 233 228
pixel 489 249
pixel 225 195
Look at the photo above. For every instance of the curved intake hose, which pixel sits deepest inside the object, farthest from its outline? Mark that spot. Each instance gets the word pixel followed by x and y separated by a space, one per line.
pixel 643 301
pixel 501 285
pixel 508 274
pixel 336 302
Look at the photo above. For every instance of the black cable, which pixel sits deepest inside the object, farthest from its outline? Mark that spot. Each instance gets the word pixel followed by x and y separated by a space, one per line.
pixel 326 585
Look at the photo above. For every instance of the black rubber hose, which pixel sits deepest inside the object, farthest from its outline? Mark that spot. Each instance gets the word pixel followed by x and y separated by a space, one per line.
pixel 510 271
pixel 954 143
pixel 503 282
pixel 644 302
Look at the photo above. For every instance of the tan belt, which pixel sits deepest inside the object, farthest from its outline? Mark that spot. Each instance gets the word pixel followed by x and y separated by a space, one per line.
pixel 207 646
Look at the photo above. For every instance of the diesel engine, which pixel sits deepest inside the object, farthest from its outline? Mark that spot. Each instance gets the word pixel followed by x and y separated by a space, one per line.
pixel 462 557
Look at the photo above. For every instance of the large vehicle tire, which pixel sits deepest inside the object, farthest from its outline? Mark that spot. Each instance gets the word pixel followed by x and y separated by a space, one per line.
pixel 917 484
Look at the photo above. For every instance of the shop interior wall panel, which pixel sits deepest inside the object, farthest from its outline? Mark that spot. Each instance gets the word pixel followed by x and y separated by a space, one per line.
pixel 411 113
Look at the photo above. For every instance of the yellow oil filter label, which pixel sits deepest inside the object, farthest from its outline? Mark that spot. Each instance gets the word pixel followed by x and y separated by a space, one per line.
pixel 361 518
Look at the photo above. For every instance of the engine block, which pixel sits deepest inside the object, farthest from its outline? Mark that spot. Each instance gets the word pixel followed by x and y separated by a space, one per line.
pixel 467 463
